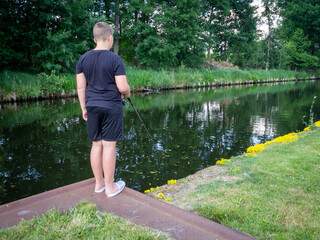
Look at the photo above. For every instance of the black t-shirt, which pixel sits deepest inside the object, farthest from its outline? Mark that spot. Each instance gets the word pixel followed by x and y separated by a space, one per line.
pixel 100 68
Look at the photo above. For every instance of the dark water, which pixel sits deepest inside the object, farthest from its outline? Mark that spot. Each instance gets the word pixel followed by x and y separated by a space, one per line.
pixel 43 145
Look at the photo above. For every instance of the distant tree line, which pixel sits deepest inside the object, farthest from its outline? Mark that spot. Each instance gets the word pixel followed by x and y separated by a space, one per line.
pixel 46 35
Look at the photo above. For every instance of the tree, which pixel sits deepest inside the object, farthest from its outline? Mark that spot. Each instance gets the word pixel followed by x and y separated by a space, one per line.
pixel 45 35
pixel 213 11
pixel 305 15
pixel 296 52
pixel 64 43
pixel 117 28
pixel 162 33
pixel 179 23
pixel 271 11
pixel 135 21
pixel 22 30
pixel 230 28
pixel 245 28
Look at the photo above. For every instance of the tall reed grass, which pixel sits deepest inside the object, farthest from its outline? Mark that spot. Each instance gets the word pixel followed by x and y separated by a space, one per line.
pixel 183 77
pixel 22 86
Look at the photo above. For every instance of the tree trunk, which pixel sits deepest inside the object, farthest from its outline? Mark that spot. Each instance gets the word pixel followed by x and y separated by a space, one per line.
pixel 116 23
pixel 268 54
pixel 269 38
pixel 120 34
pixel 208 57
pixel 135 44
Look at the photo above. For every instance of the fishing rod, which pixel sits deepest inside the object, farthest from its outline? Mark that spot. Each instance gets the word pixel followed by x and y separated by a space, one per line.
pixel 142 123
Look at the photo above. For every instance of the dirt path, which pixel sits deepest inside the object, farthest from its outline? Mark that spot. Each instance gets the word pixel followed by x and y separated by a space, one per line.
pixel 180 191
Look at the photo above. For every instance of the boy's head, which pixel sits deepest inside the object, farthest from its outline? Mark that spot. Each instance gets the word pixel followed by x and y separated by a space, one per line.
pixel 102 31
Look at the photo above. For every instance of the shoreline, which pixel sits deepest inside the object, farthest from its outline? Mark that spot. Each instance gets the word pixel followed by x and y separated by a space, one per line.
pixel 231 192
pixel 14 97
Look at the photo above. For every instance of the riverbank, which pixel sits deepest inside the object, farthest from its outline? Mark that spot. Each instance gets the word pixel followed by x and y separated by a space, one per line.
pixel 17 86
pixel 270 192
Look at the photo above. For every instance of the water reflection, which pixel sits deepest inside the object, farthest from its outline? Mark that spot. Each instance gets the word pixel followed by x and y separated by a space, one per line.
pixel 44 144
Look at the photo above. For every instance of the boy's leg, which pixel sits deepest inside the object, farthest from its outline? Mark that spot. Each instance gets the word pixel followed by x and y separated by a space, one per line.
pixel 96 163
pixel 109 165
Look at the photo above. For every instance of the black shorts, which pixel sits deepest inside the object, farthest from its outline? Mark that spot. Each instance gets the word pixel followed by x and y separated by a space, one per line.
pixel 105 124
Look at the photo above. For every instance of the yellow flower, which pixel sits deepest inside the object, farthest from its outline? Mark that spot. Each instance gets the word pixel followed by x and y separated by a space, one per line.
pixel 152 189
pixel 172 181
pixel 257 148
pixel 317 124
pixel 222 161
pixel 291 137
pixel 146 191
pixel 307 129
pixel 160 195
pixel 168 199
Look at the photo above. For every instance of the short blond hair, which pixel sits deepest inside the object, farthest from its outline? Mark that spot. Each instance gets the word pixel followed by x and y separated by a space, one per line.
pixel 101 31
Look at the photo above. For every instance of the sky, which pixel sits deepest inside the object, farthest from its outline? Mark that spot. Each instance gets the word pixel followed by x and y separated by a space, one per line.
pixel 258 3
pixel 262 26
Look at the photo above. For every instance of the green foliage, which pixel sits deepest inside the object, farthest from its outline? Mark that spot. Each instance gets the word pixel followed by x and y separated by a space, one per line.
pixel 51 37
pixel 311 114
pixel 305 15
pixel 158 34
pixel 60 54
pixel 154 52
pixel 182 29
pixel 296 52
pixel 50 83
pixel 230 30
pixel 24 86
pixel 19 85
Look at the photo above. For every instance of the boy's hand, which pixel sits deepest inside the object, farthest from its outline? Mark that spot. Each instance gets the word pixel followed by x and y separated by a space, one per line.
pixel 126 95
pixel 84 114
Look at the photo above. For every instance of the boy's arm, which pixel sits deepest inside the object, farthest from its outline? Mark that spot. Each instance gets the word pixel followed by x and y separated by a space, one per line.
pixel 123 86
pixel 81 88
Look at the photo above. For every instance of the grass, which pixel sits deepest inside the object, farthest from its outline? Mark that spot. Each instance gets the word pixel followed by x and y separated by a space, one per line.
pixel 23 86
pixel 84 221
pixel 276 196
pixel 183 77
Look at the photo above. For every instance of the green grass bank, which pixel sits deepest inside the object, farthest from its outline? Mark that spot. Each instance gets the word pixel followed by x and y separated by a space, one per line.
pixel 17 86
pixel 83 221
pixel 270 192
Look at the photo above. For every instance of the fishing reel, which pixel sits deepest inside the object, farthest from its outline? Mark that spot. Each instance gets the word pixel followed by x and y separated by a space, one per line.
pixel 124 102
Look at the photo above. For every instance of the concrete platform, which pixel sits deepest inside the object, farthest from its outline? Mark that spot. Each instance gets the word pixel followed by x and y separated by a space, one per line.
pixel 130 204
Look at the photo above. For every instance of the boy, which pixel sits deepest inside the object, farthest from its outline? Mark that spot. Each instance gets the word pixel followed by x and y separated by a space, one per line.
pixel 101 79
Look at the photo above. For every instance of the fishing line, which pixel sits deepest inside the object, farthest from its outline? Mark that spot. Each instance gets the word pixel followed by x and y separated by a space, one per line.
pixel 142 123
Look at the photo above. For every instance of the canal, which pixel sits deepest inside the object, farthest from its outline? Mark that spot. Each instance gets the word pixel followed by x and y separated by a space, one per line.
pixel 43 145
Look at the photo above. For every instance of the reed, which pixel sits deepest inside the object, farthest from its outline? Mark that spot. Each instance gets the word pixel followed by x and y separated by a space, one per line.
pixel 16 86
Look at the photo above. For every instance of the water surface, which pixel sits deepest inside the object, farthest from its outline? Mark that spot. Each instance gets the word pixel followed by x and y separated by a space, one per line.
pixel 43 145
